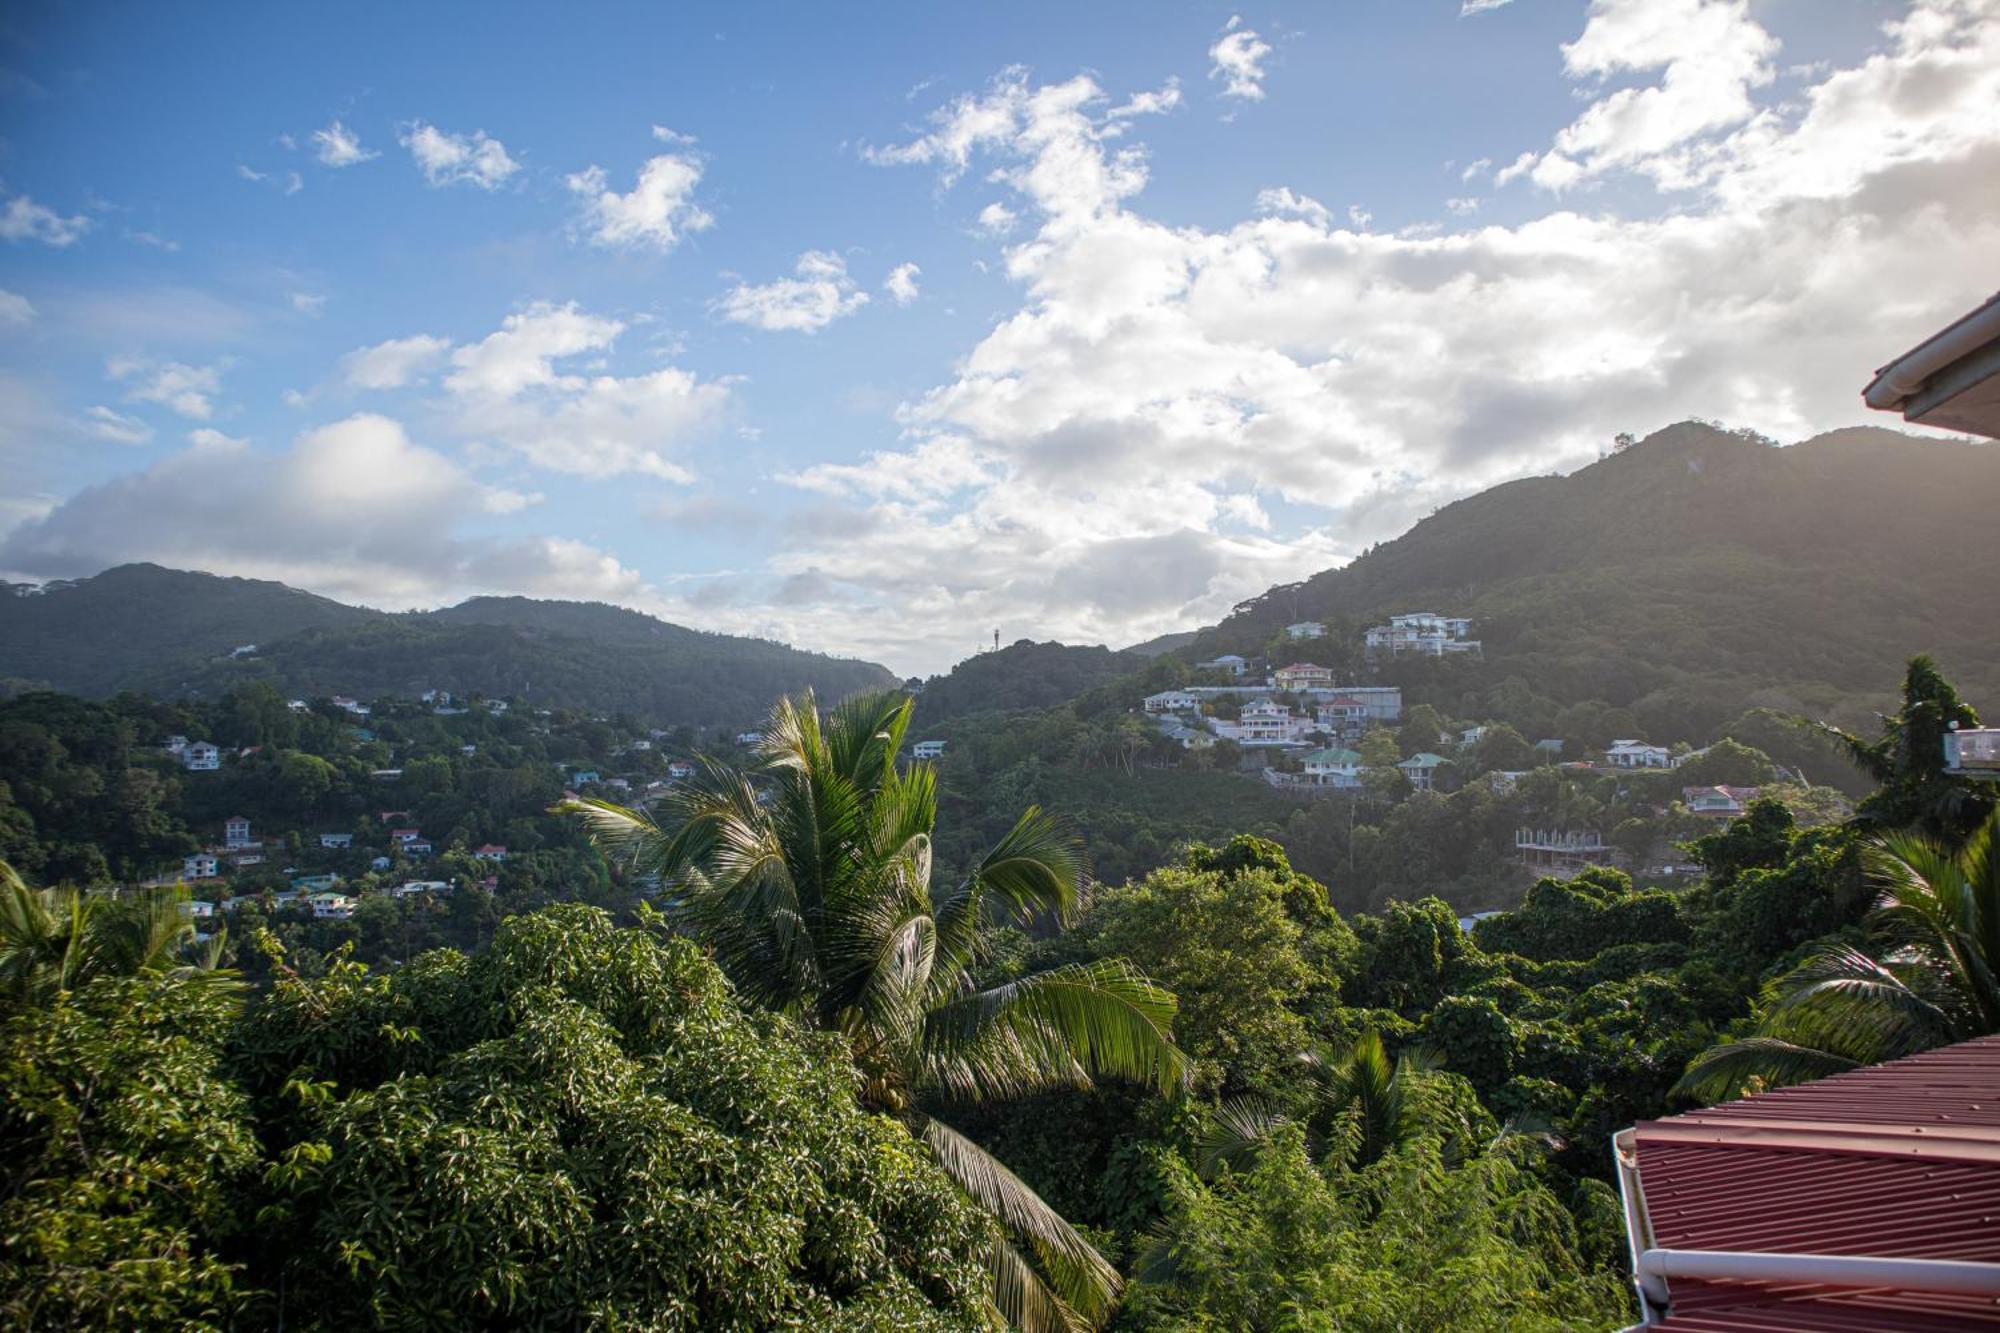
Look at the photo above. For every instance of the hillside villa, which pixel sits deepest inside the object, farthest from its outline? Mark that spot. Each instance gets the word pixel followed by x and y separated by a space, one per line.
pixel 1264 724
pixel 1229 664
pixel 1718 802
pixel 1334 767
pixel 1306 629
pixel 1638 754
pixel 1421 769
pixel 1422 634
pixel 928 750
pixel 1303 676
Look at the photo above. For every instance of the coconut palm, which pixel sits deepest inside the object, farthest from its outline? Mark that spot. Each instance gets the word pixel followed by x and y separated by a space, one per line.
pixel 1368 1104
pixel 810 877
pixel 1934 980
pixel 58 939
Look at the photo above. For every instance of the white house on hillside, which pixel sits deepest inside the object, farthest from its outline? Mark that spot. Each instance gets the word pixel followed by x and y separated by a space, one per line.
pixel 1229 664
pixel 928 750
pixel 236 831
pixel 1638 754
pixel 1422 633
pixel 1334 767
pixel 1173 701
pixel 1306 629
pixel 199 866
pixel 1421 769
pixel 1264 723
pixel 201 757
pixel 336 841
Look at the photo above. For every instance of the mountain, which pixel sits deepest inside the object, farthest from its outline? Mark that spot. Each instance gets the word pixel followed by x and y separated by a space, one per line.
pixel 1687 577
pixel 172 632
pixel 1161 644
pixel 93 635
pixel 1024 674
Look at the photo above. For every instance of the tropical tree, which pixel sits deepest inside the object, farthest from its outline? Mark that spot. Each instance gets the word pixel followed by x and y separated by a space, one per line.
pixel 1907 759
pixel 58 939
pixel 1366 1104
pixel 809 876
pixel 1934 979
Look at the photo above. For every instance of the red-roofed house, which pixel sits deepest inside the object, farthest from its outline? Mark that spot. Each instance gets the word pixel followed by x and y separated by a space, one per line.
pixel 491 851
pixel 1305 676
pixel 404 835
pixel 1869 1200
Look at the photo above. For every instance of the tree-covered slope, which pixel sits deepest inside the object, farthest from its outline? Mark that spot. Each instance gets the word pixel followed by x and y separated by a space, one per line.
pixel 1695 563
pixel 94 635
pixel 1024 674
pixel 171 632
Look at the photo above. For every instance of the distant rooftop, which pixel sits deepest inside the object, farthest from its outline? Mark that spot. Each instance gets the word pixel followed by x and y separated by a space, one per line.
pixel 1951 379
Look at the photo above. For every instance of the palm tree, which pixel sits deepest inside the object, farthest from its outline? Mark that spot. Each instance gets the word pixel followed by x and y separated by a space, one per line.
pixel 1935 981
pixel 810 879
pixel 1368 1104
pixel 59 939
pixel 1907 760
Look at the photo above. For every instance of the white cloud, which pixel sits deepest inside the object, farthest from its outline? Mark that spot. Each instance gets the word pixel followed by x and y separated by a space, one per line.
pixel 338 146
pixel 108 424
pixel 1712 53
pixel 154 240
pixel 511 389
pixel 1237 58
pixel 996 219
pixel 354 509
pixel 188 390
pixel 307 303
pixel 821 292
pixel 901 284
pixel 658 213
pixel 288 182
pixel 1471 7
pixel 16 310
pixel 1161 387
pixel 1462 207
pixel 1477 167
pixel 458 159
pixel 395 363
pixel 25 220
pixel 1157 102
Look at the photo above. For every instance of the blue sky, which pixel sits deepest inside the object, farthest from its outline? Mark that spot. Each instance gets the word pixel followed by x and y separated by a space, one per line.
pixel 878 330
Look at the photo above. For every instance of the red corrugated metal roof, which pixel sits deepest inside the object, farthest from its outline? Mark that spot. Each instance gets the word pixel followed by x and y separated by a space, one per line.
pixel 1899 1160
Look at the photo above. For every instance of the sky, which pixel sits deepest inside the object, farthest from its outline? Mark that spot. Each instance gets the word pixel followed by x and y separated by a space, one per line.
pixel 877 330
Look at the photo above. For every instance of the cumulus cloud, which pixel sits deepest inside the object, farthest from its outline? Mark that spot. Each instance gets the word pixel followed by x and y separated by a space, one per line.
pixel 16 310
pixel 25 220
pixel 657 214
pixel 1237 58
pixel 996 219
pixel 513 389
pixel 901 284
pixel 395 363
pixel 820 293
pixel 1711 54
pixel 311 304
pixel 188 390
pixel 1249 403
pixel 355 509
pixel 338 146
pixel 284 182
pixel 458 159
pixel 1471 7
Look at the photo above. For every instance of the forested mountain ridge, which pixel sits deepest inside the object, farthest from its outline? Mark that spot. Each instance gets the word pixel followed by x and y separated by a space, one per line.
pixel 1024 674
pixel 95 635
pixel 170 632
pixel 1696 562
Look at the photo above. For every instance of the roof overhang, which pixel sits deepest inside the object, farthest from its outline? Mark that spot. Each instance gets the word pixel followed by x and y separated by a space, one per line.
pixel 1950 380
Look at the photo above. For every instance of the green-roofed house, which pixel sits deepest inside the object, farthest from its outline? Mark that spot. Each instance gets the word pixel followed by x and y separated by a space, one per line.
pixel 1334 768
pixel 1420 768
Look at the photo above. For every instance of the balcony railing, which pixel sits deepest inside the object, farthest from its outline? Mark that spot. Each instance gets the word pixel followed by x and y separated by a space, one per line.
pixel 1973 752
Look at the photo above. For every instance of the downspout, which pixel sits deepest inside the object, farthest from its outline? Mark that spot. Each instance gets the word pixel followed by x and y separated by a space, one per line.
pixel 1651 1290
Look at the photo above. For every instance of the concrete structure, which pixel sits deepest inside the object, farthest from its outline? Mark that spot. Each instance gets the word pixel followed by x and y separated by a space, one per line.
pixel 200 866
pixel 336 841
pixel 927 750
pixel 1973 752
pixel 236 831
pixel 1562 852
pixel 1306 629
pixel 201 757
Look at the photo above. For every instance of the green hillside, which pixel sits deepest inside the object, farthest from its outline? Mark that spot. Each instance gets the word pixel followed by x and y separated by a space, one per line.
pixel 95 635
pixel 173 633
pixel 1688 577
pixel 1024 674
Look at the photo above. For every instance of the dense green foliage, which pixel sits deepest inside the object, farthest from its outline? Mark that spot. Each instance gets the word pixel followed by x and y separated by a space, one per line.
pixel 1021 675
pixel 79 637
pixel 576 1126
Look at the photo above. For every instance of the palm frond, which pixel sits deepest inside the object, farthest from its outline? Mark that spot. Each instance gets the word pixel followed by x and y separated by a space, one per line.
pixel 1235 1133
pixel 1729 1070
pixel 1079 1275
pixel 1022 1300
pixel 1065 1025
